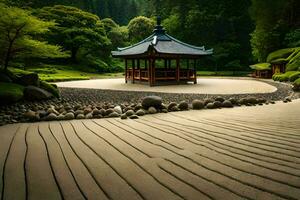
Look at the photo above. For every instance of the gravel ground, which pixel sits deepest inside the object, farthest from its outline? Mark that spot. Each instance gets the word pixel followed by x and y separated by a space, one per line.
pixel 98 99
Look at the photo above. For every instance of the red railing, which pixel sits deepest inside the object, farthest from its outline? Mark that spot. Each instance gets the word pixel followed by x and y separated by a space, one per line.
pixel 161 74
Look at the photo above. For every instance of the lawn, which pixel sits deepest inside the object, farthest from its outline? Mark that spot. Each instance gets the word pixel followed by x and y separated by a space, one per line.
pixel 56 73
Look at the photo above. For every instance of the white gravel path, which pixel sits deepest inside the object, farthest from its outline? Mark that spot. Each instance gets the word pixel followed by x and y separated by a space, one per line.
pixel 204 86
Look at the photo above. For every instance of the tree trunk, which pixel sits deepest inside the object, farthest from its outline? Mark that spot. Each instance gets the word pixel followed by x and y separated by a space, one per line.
pixel 74 54
pixel 7 57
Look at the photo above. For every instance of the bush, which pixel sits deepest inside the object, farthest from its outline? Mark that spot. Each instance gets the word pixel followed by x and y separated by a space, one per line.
pixel 283 77
pixel 282 53
pixel 297 85
pixel 50 88
pixel 294 76
pixel 10 93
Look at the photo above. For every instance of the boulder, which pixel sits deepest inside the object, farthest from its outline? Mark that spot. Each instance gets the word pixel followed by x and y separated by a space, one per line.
pixel 171 105
pixel 152 110
pixel 35 93
pixel 183 105
pixel 197 104
pixel 29 79
pixel 118 109
pixel 152 101
pixel 227 104
pixel 140 112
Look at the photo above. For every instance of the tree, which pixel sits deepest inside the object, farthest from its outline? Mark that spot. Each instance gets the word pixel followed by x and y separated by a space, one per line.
pixel 140 28
pixel 20 36
pixel 76 31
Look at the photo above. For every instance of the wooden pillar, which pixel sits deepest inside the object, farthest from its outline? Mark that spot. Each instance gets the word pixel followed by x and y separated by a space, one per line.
pixel 150 72
pixel 139 67
pixel 126 69
pixel 195 71
pixel 166 63
pixel 153 72
pixel 177 69
pixel 133 70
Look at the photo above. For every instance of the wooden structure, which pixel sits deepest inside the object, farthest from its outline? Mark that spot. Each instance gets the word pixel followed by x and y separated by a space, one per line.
pixel 161 59
pixel 278 68
pixel 262 74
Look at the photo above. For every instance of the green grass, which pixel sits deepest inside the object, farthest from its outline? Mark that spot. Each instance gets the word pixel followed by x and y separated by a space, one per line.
pixel 10 92
pixel 222 73
pixel 57 73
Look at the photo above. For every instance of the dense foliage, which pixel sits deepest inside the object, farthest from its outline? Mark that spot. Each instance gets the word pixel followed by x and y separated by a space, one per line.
pixel 241 32
pixel 19 36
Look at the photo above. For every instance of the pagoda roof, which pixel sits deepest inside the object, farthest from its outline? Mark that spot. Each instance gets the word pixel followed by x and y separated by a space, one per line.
pixel 161 43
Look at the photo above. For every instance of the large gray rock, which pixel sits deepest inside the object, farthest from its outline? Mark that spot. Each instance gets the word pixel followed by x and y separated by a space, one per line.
pixel 29 79
pixel 152 101
pixel 35 93
pixel 197 104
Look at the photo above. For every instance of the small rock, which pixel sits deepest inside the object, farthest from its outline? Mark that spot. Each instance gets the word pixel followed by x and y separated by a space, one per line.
pixel 124 116
pixel 174 109
pixel 152 101
pixel 134 117
pixel 233 101
pixel 114 114
pixel 60 117
pixel 51 117
pixel 210 106
pixel 52 110
pixel 79 112
pixel 109 111
pixel 183 105
pixel 32 116
pixel 87 110
pixel 218 104
pixel 164 111
pixel 197 104
pixel 140 112
pixel 152 110
pixel 118 109
pixel 99 116
pixel 288 99
pixel 80 116
pixel 207 101
pixel 227 104
pixel 89 115
pixel 220 99
pixel 69 116
pixel 171 105
pixel 129 113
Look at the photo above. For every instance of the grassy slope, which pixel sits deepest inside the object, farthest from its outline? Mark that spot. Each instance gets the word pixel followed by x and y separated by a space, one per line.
pixel 55 73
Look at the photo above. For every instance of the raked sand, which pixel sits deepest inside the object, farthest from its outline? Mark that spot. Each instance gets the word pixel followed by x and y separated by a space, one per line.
pixel 239 153
pixel 204 86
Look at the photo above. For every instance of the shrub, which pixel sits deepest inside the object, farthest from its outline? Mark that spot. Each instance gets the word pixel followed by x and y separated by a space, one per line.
pixel 50 88
pixel 294 76
pixel 10 92
pixel 297 85
pixel 283 77
pixel 282 53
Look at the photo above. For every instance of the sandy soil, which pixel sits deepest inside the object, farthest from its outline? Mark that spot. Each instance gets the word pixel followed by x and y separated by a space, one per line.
pixel 240 153
pixel 204 86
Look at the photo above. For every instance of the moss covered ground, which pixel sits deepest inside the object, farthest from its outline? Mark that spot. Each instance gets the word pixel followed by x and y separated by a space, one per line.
pixel 11 92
